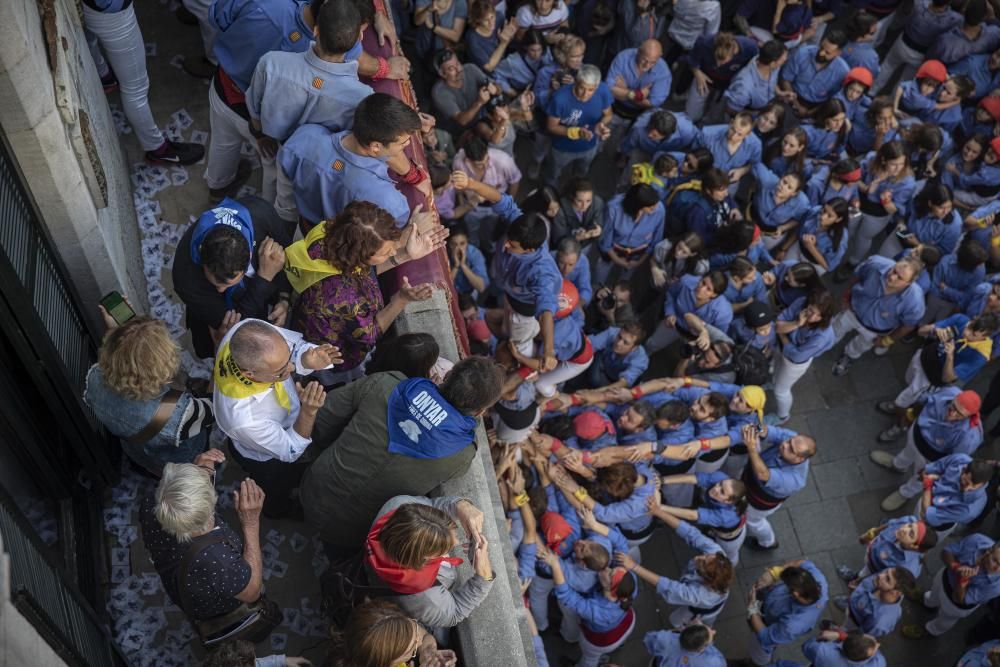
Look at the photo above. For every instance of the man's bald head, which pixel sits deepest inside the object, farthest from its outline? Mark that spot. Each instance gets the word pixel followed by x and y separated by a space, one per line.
pixel 647 55
pixel 254 343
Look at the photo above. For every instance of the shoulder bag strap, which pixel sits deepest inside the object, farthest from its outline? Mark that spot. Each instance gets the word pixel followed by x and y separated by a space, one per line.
pixel 182 571
pixel 160 417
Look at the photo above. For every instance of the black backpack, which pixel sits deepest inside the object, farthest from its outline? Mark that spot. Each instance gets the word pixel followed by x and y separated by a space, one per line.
pixel 750 366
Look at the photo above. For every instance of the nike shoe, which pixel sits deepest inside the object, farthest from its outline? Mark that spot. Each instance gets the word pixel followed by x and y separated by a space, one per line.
pixel 176 152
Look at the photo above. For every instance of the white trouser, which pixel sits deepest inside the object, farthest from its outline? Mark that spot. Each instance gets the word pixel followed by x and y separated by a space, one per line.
pixel 569 627
pixel 910 456
pixel 786 374
pixel 732 547
pixel 590 655
pixel 937 309
pixel 119 36
pixel 711 466
pixel 697 104
pixel 890 246
pixel 941 534
pixel 682 616
pixel 633 548
pixel 662 337
pixel 794 254
pixel 759 528
pixel 763 36
pixel 918 384
pixel 547 383
pixel 678 495
pixel 734 465
pixel 846 321
pixel 947 613
pixel 523 329
pixel 860 233
pixel 758 655
pixel 538 595
pixel 899 55
pixel 284 196
pixel 883 28
pixel 200 10
pixel 229 131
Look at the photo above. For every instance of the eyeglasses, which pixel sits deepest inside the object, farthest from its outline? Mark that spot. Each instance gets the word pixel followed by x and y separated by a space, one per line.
pixel 281 374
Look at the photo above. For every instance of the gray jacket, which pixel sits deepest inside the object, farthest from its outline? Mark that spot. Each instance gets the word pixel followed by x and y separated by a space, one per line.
pixel 443 605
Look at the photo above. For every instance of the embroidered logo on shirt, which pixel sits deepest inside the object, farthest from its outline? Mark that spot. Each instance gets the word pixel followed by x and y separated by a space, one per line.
pixel 317 82
pixel 338 165
pixel 295 36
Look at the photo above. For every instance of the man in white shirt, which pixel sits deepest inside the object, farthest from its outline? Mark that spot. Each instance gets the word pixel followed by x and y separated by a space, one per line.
pixel 266 414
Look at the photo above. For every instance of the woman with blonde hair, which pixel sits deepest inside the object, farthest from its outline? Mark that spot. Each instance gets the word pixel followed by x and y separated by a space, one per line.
pixel 379 634
pixel 129 391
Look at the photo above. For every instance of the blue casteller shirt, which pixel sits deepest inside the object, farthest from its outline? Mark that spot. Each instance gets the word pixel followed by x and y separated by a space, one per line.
pixel 665 647
pixel 884 551
pixel 516 72
pixel 769 215
pixel 877 310
pixel 930 230
pixel 680 301
pixel 682 139
pixel 982 587
pixel 862 54
pixel 805 343
pixel 874 617
pixel 949 504
pixel 957 282
pixel 714 139
pixel 327 177
pixel 247 29
pixel 824 240
pixel 477 262
pixel 531 278
pixel 812 84
pixel 689 589
pixel 580 277
pixel 658 77
pixel 292 89
pixel 786 620
pixel 749 90
pixel 571 112
pixel 820 190
pixel 754 290
pixel 628 368
pixel 629 514
pixel 621 232
pixel 829 654
pixel 953 45
pixel 979 656
pixel 712 513
pixel 786 478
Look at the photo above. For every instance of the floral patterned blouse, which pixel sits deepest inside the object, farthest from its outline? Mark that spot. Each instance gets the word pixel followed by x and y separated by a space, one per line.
pixel 341 310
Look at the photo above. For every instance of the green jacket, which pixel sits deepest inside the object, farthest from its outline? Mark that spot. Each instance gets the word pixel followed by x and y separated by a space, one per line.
pixel 347 484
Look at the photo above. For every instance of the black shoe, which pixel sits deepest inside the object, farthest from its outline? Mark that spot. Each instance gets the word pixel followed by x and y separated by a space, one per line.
pixel 243 172
pixel 185 17
pixel 199 68
pixel 293 512
pixel 110 82
pixel 176 152
pixel 757 546
pixel 843 272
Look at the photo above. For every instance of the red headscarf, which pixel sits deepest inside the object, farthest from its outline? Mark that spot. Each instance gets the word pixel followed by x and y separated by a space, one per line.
pixel 591 425
pixel 405 581
pixel 555 528
pixel 970 402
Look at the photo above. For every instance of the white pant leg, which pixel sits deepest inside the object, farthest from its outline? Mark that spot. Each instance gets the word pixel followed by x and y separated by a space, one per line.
pixel 758 655
pixel 893 59
pixel 890 246
pixel 758 527
pixel 786 375
pixel 569 628
pixel 121 40
pixel 918 383
pixel 909 457
pixel 947 614
pixel 538 594
pixel 591 655
pixel 200 10
pixel 695 105
pixel 95 52
pixel 284 198
pixel 633 548
pixel 761 35
pixel 547 383
pixel 732 547
pixel 523 329
pixel 229 131
pixel 680 616
pixel 883 28
pixel 845 322
pixel 860 241
pixel 734 465
pixel 662 337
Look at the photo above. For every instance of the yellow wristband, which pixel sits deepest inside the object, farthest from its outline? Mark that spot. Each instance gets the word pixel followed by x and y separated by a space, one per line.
pixel 573 133
pixel 776 571
pixel 521 499
pixel 888 340
pixel 580 494
pixel 687 381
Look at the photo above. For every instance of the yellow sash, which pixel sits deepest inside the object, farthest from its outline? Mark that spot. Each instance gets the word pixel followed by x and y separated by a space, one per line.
pixel 302 270
pixel 231 381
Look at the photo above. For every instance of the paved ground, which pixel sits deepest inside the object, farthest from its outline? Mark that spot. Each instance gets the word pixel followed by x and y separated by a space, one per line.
pixel 820 523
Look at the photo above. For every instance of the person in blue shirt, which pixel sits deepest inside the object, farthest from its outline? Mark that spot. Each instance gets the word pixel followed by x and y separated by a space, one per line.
pixel 577 117
pixel 791 282
pixel 836 649
pixel 606 615
pixel 805 332
pixel 984 655
pixel 822 238
pixel 772 476
pixel 704 296
pixel 468 266
pixel 885 305
pixel 927 20
pixel 984 70
pixel 953 277
pixel 703 586
pixel 896 543
pixel 574 267
pixel 330 170
pixel 838 180
pixel 777 207
pixel 745 284
pixel 719 512
pixel 984 299
pixel 975 35
pixel 715 59
pixel 689 647
pixel 828 134
pixel 619 358
pixel 860 50
pixel 948 423
pixel 639 79
pixel 875 605
pixel 487 40
pixel 756 328
pixel 789 154
pixel 734 147
pixel 655 131
pixel 633 225
pixel 813 74
pixel 970 578
pixel 854 95
pixel 932 221
pixel 703 207
pixel 785 603
pixel 954 492
pixel 754 86
pixel 517 71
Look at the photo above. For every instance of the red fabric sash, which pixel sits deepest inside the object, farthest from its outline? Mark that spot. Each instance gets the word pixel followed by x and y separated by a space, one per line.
pixel 585 355
pixel 611 636
pixel 405 581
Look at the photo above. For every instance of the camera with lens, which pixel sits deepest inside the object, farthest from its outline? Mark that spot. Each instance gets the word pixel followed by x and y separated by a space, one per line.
pixel 689 351
pixel 607 302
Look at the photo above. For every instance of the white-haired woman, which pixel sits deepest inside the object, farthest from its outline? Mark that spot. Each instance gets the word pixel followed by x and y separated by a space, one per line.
pixel 212 573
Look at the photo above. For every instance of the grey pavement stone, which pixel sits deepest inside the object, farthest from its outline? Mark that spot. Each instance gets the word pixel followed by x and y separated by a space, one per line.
pixel 845 431
pixel 838 478
pixel 823 525
pixel 788 544
pixel 808 494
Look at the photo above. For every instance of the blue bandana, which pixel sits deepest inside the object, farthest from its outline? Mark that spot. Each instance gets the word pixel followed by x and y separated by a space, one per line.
pixel 230 213
pixel 423 425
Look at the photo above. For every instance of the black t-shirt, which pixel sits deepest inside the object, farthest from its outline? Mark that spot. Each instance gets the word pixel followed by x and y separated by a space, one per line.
pixel 217 574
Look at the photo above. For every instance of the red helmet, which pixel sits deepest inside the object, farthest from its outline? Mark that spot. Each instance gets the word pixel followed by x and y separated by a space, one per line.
pixel 569 298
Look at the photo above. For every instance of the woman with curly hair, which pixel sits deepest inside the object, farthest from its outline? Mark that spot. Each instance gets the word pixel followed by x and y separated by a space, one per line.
pixel 334 270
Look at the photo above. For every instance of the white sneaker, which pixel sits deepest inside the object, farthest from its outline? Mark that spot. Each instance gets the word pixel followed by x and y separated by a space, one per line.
pixel 894 501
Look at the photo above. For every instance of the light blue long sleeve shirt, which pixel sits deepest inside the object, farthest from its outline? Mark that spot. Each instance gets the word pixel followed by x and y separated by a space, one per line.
pixel 877 310
pixel 786 619
pixel 808 342
pixel 874 617
pixel 812 84
pixel 948 502
pixel 665 647
pixel 983 586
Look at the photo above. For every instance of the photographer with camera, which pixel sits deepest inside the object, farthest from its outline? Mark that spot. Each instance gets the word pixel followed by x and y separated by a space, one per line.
pixel 612 306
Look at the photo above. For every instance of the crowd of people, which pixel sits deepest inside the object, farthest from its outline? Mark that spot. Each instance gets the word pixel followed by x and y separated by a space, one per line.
pixel 701 177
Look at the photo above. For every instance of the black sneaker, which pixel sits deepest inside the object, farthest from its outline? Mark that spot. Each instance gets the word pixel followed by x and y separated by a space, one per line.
pixel 243 172
pixel 176 152
pixel 199 68
pixel 843 272
pixel 185 17
pixel 110 82
pixel 757 546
